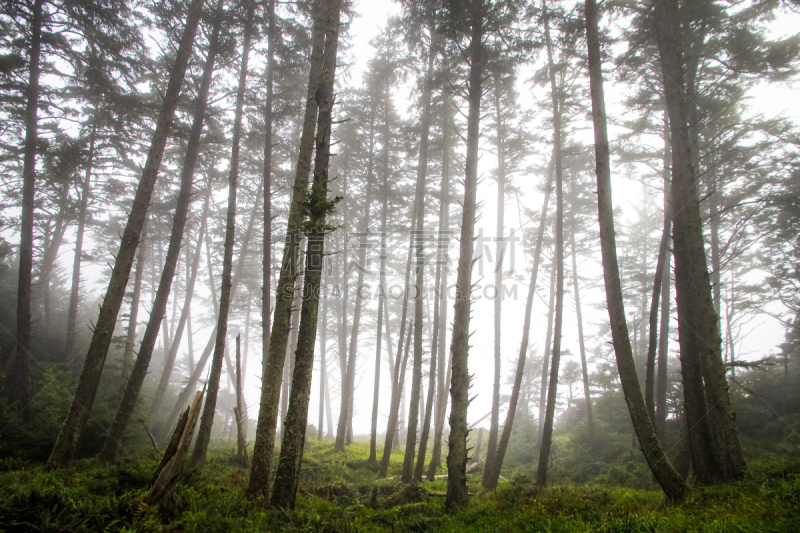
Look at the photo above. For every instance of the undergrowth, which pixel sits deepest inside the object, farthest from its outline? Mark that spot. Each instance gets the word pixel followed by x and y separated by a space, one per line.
pixel 341 493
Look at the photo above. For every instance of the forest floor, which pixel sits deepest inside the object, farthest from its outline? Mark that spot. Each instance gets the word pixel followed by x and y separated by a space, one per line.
pixel 339 493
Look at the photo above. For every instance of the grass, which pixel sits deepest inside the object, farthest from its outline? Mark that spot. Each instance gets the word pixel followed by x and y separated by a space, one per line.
pixel 336 495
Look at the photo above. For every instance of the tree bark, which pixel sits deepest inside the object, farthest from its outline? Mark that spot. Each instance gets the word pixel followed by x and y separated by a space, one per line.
pixel 287 477
pixel 72 313
pixel 157 314
pixel 80 409
pixel 444 236
pixel 670 481
pixel 490 478
pixel 491 445
pixel 394 408
pixel 133 317
pixel 663 338
pixel 21 370
pixel 209 409
pixel 184 319
pixel 457 494
pixel 418 240
pixel 273 372
pixel 548 337
pixel 552 387
pixel 716 453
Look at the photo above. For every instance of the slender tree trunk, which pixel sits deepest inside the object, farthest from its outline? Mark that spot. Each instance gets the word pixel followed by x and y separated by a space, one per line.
pixel 72 316
pixel 457 495
pixel 394 408
pixel 419 244
pixel 184 320
pixel 79 411
pixel 548 337
pixel 552 387
pixel 272 374
pixel 212 388
pixel 287 476
pixel 184 396
pixel 491 445
pixel 490 478
pixel 21 360
pixel 241 420
pixel 348 386
pixel 373 440
pixel 662 469
pixel 157 314
pixel 130 337
pixel 663 339
pixel 50 254
pixel 698 327
pixel 587 393
pixel 323 371
pixel 266 243
pixel 441 316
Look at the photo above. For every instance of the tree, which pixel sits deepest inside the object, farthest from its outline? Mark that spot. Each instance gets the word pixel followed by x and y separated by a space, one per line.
pixel 273 371
pixel 209 409
pixel 78 415
pixel 671 482
pixel 318 206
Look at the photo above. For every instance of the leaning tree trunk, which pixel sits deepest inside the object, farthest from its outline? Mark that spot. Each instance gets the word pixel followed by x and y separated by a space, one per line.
pixel 273 372
pixel 419 243
pixel 72 314
pixel 184 396
pixel 662 469
pixel 20 374
pixel 130 395
pixel 663 338
pixel 552 387
pixel 490 478
pixel 491 445
pixel 80 409
pixel 133 316
pixel 185 318
pixel 587 393
pixel 212 388
pixel 717 454
pixel 287 477
pixel 546 358
pixel 457 495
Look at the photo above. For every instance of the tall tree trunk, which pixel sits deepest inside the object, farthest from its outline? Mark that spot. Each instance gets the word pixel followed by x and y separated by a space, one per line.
pixel 587 393
pixel 184 396
pixel 50 254
pixel 373 438
pixel 457 495
pixel 662 469
pixel 663 339
pixel 394 408
pixel 491 445
pixel 419 244
pixel 169 363
pixel 133 386
pixel 133 317
pixel 441 316
pixel 80 409
pixel 266 243
pixel 21 360
pixel 490 478
pixel 212 388
pixel 273 372
pixel 547 348
pixel 552 387
pixel 323 371
pixel 716 452
pixel 348 386
pixel 72 313
pixel 287 477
